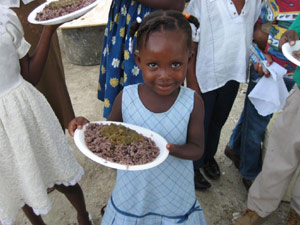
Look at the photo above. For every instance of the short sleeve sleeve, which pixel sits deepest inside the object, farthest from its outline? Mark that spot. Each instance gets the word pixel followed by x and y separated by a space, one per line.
pixel 15 29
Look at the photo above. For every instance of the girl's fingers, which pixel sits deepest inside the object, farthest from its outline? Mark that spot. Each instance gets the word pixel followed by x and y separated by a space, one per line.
pixel 76 123
pixel 292 43
pixel 259 69
pixel 169 146
pixel 71 129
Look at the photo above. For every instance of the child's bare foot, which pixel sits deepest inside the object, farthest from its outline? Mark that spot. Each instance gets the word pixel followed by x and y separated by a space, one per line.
pixel 84 219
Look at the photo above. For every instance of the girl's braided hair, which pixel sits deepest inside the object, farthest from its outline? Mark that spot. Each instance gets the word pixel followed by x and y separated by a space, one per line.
pixel 163 20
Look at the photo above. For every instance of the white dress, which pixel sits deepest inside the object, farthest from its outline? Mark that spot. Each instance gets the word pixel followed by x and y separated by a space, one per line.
pixel 34 153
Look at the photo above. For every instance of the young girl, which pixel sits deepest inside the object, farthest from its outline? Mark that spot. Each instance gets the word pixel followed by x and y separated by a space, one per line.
pixel 164 194
pixel 34 153
pixel 117 67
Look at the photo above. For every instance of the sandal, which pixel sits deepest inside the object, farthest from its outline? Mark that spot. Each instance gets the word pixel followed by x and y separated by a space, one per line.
pixel 103 210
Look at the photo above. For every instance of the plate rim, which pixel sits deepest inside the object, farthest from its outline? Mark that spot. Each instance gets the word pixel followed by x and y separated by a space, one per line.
pixel 89 154
pixel 62 19
pixel 287 49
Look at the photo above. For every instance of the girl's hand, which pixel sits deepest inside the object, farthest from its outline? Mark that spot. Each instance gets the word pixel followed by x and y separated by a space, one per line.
pixel 170 148
pixel 76 123
pixel 258 66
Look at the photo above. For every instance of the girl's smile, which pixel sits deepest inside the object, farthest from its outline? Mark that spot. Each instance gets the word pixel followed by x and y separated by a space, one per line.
pixel 163 60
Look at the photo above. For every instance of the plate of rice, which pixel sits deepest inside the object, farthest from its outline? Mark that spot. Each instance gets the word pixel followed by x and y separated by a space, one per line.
pixel 60 11
pixel 121 145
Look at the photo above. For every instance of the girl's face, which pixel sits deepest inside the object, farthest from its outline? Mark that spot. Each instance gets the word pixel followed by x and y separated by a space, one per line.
pixel 164 61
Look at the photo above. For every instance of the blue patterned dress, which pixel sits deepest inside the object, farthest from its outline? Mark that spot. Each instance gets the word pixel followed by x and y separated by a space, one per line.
pixel 165 194
pixel 117 67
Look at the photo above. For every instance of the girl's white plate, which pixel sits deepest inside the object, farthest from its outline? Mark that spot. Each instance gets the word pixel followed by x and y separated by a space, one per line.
pixel 287 51
pixel 62 19
pixel 158 139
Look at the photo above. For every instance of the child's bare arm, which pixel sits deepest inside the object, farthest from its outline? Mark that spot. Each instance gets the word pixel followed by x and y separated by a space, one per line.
pixel 191 79
pixel 194 147
pixel 116 112
pixel 32 66
pixel 259 36
pixel 164 4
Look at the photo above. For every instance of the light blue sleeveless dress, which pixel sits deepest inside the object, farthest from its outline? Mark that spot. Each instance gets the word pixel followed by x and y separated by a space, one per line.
pixel 165 194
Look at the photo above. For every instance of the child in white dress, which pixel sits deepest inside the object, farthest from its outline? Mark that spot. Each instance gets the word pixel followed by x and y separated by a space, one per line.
pixel 165 194
pixel 34 154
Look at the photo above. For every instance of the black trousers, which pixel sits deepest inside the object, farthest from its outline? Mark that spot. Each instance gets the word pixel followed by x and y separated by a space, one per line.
pixel 217 106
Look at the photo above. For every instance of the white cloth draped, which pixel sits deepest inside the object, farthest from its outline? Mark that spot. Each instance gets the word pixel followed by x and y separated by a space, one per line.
pixel 270 94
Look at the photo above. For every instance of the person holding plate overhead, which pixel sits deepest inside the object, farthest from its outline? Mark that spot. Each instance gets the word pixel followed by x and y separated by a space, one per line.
pixel 52 84
pixel 34 151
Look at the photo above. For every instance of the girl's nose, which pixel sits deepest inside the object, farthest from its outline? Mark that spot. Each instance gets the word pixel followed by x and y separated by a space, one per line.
pixel 165 74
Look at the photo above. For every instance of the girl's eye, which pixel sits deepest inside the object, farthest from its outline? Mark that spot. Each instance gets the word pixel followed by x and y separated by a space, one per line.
pixel 176 64
pixel 152 65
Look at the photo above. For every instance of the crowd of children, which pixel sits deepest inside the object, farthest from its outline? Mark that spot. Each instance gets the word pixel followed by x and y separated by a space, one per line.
pixel 150 49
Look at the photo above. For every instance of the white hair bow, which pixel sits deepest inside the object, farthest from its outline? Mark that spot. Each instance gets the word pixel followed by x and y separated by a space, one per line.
pixel 138 20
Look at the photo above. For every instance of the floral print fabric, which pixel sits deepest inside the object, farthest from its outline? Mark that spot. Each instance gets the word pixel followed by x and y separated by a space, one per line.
pixel 117 67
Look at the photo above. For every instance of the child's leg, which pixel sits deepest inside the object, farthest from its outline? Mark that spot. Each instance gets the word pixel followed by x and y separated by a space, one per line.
pixel 75 195
pixel 33 218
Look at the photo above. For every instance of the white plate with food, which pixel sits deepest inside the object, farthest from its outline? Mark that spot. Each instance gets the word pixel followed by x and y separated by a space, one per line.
pixel 33 16
pixel 292 53
pixel 93 150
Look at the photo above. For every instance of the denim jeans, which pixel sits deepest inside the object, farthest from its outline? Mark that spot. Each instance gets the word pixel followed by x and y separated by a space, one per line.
pixel 249 132
pixel 217 106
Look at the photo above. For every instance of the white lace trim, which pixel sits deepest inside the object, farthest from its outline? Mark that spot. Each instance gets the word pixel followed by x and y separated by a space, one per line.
pixel 91 219
pixel 49 206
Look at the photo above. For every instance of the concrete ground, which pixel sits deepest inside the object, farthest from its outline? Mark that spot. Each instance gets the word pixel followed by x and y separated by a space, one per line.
pixel 221 203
